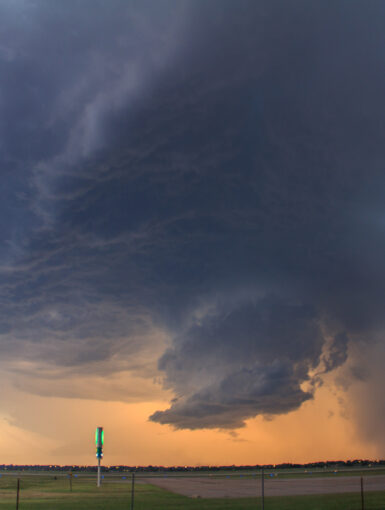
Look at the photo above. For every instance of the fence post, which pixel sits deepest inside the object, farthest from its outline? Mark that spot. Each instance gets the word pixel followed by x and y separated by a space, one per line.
pixel 263 489
pixel 132 490
pixel 362 494
pixel 17 494
pixel 71 482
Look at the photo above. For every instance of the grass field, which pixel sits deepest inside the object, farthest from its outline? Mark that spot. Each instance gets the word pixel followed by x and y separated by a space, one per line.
pixel 45 493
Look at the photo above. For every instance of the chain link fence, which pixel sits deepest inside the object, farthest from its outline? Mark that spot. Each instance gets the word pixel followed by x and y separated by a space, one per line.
pixel 270 490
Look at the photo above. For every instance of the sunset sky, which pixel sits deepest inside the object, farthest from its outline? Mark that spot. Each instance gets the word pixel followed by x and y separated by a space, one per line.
pixel 192 230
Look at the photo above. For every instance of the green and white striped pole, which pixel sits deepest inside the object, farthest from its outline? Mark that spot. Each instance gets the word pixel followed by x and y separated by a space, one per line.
pixel 99 441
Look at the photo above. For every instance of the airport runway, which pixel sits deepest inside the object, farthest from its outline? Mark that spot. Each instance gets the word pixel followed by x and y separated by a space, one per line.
pixel 206 487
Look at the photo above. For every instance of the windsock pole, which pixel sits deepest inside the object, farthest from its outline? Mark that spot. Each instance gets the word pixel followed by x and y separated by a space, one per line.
pixel 98 472
pixel 99 441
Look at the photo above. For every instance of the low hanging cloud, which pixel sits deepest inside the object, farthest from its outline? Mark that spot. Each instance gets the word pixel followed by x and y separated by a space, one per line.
pixel 245 360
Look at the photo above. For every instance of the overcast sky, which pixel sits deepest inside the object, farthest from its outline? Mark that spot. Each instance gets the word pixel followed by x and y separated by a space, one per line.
pixel 192 211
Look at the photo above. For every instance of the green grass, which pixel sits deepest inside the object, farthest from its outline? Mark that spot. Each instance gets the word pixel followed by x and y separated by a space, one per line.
pixel 46 493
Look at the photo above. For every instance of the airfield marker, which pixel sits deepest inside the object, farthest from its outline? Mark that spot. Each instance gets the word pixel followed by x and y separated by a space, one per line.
pixel 99 441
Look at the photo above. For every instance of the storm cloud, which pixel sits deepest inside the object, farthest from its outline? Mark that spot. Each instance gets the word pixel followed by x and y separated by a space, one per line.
pixel 234 367
pixel 192 191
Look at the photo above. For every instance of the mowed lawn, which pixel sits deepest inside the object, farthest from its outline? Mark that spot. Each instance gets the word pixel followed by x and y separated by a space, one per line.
pixel 46 493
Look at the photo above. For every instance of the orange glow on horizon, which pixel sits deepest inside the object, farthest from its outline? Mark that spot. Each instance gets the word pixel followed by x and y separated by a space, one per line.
pixel 60 431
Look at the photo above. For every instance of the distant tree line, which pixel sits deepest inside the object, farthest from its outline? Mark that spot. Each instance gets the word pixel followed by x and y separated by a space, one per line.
pixel 333 464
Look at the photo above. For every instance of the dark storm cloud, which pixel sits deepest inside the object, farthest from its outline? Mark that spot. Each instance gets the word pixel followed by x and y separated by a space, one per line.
pixel 65 72
pixel 210 173
pixel 252 357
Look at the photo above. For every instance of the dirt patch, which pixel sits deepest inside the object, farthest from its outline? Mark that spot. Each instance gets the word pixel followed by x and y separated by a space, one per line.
pixel 230 488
